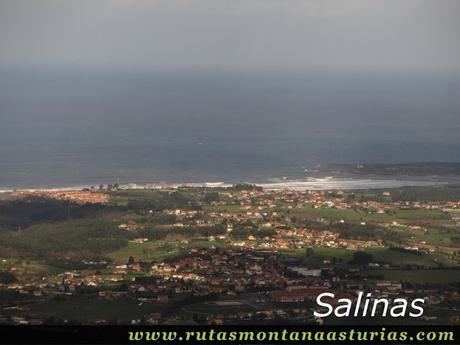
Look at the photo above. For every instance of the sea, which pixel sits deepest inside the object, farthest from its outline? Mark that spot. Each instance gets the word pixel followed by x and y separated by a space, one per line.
pixel 62 127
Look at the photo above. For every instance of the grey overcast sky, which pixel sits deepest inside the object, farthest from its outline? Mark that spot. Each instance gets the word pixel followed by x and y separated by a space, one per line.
pixel 286 35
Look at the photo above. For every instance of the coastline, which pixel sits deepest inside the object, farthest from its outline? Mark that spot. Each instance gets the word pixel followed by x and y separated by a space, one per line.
pixel 309 183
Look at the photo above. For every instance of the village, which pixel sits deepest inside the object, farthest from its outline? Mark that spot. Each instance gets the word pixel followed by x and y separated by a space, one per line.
pixel 240 255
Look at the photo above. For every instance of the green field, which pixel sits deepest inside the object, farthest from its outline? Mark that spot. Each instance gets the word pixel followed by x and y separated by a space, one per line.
pixel 386 255
pixel 236 209
pixel 244 303
pixel 82 308
pixel 159 250
pixel 400 216
pixel 440 277
pixel 380 254
pixel 27 270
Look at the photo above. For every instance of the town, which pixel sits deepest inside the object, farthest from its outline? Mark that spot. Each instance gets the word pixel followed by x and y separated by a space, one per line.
pixel 224 255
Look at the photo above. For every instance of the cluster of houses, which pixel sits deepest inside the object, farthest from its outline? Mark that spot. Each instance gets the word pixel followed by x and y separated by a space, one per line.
pixel 75 196
pixel 250 279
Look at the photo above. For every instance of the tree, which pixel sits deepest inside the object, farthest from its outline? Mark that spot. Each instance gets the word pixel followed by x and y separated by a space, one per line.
pixel 211 196
pixel 7 278
pixel 362 258
pixel 309 252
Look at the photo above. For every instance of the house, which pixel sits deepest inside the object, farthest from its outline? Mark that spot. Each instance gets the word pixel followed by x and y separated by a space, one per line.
pixel 163 298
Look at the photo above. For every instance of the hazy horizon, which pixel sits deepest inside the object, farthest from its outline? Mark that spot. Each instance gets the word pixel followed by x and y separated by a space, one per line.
pixel 93 91
pixel 406 36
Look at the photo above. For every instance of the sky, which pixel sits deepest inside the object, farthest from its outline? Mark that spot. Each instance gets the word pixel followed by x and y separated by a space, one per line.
pixel 419 36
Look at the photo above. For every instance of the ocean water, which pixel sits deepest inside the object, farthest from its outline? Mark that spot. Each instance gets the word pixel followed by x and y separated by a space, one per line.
pixel 81 127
